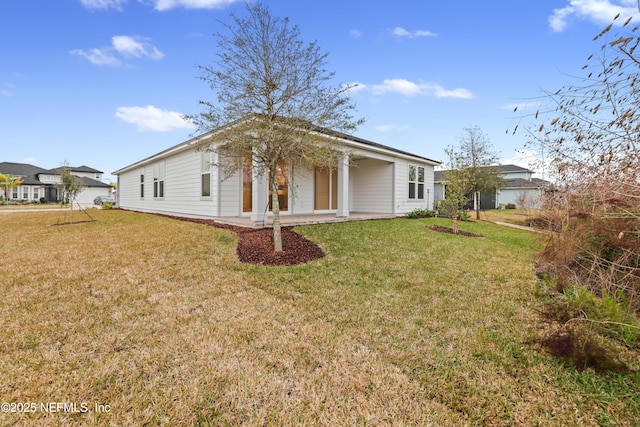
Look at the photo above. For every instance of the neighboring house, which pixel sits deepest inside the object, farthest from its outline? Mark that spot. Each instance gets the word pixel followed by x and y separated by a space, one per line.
pixel 181 181
pixel 38 183
pixel 520 186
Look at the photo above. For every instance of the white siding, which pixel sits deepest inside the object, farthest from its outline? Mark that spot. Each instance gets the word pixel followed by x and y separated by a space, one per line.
pixel 230 195
pixel 517 174
pixel 533 195
pixel 371 186
pixel 182 192
pixel 86 196
pixel 403 203
pixel 302 190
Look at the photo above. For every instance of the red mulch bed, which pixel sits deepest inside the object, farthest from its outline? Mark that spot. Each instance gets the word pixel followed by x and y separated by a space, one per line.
pixel 255 246
pixel 450 231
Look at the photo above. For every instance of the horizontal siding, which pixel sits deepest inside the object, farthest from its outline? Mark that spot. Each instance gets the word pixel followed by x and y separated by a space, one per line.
pixel 302 190
pixel 371 185
pixel 402 203
pixel 534 197
pixel 181 188
pixel 230 191
pixel 86 196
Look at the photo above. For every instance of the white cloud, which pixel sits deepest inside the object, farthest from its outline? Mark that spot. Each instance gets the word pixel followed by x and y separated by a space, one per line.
pixel 98 56
pixel 6 93
pixel 123 46
pixel 160 5
pixel 152 119
pixel 600 12
pixel 356 34
pixel 103 4
pixel 136 46
pixel 409 88
pixel 401 32
pixel 191 4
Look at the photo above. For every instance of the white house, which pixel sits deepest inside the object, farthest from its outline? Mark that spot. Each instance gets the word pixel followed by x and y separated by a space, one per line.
pixel 372 178
pixel 38 183
pixel 520 188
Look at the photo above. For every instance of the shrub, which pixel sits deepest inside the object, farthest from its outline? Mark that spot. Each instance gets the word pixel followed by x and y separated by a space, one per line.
pixel 107 206
pixel 510 206
pixel 464 215
pixel 420 213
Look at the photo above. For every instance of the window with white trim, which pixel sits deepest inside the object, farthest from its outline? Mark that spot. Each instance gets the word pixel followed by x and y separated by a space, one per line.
pixel 25 193
pixel 15 193
pixel 36 193
pixel 416 182
pixel 205 174
pixel 158 180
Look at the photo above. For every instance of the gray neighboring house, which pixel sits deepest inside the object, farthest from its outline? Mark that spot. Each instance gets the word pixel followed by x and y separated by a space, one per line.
pixel 519 186
pixel 38 183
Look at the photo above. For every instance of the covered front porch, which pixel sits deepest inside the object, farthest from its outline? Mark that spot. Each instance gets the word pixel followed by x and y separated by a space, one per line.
pixel 360 186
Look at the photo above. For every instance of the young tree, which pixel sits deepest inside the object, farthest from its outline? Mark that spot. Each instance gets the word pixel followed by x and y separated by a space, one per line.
pixel 458 185
pixel 70 186
pixel 276 93
pixel 477 156
pixel 7 182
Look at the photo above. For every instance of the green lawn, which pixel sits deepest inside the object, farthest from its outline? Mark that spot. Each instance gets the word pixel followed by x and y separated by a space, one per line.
pixel 156 320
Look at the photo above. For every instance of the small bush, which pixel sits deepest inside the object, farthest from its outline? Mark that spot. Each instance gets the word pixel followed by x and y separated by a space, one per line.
pixel 107 206
pixel 420 213
pixel 464 215
pixel 510 206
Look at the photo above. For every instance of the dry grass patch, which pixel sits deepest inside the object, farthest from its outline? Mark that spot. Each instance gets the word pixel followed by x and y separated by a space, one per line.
pixel 396 326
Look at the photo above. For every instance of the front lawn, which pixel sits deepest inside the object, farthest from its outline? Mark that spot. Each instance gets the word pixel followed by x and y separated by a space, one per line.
pixel 148 320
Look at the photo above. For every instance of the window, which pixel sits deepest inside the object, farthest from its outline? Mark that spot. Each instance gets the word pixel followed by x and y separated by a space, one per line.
pixel 416 182
pixel 205 172
pixel 15 193
pixel 25 193
pixel 36 193
pixel 158 180
pixel 326 191
pixel 142 186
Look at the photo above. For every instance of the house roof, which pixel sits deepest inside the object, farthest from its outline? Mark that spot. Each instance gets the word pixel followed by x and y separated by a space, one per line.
pixel 350 140
pixel 85 169
pixel 89 182
pixel 20 169
pixel 512 168
pixel 524 183
pixel 29 173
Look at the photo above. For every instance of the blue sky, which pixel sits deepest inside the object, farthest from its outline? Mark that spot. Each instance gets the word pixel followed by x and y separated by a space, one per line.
pixel 103 82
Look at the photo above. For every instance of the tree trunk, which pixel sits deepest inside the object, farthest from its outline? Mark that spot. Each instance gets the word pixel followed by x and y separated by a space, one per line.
pixel 275 208
pixel 477 205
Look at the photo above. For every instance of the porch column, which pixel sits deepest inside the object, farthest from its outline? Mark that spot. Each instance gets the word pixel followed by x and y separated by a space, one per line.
pixel 259 197
pixel 343 187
